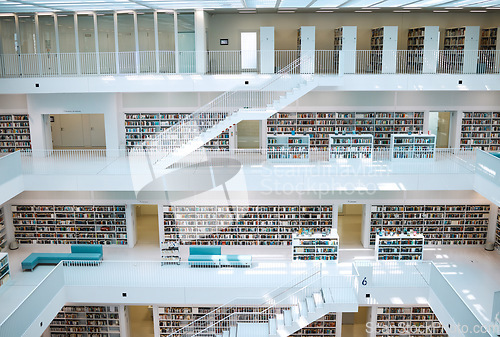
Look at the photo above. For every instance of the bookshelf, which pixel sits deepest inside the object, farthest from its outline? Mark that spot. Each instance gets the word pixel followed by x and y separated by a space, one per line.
pixel 413 146
pixel 4 268
pixel 344 38
pixel 408 321
pixel 14 133
pixel 315 246
pixel 399 247
pixel 141 126
pixel 70 224
pixel 480 130
pixel 264 225
pixel 351 147
pixel 489 46
pixel 325 326
pixel 497 236
pixel 87 321
pixel 423 46
pixel 439 224
pixel 320 125
pixel 170 253
pixel 288 147
pixel 460 49
pixel 3 231
pixel 383 45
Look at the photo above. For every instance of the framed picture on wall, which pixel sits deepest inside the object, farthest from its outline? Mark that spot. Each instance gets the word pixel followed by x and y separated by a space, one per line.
pixel 224 42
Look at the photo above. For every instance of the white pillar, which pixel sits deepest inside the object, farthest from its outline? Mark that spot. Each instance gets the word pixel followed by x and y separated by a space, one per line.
pixel 431 49
pixel 349 42
pixel 471 45
pixel 267 50
pixel 200 41
pixel 307 41
pixel 389 51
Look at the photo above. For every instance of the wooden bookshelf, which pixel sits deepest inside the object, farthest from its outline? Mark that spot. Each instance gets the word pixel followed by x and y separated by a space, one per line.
pixel 14 133
pixel 413 146
pixel 351 147
pixel 141 127
pixel 265 225
pixel 288 147
pixel 480 130
pixel 399 247
pixel 320 125
pixel 408 321
pixel 4 268
pixel 439 224
pixel 3 231
pixel 315 246
pixel 87 321
pixel 70 224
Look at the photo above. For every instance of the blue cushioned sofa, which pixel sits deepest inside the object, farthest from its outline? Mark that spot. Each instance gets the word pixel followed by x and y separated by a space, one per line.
pixel 78 253
pixel 211 256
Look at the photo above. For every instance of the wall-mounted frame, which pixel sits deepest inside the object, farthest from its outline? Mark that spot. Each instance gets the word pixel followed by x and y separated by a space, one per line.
pixel 224 42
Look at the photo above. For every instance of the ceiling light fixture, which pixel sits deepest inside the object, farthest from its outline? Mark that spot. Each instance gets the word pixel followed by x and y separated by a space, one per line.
pixel 362 11
pixel 247 12
pixel 365 8
pixel 441 11
pixel 324 11
pixel 402 11
pixel 453 8
pixel 281 12
pixel 478 11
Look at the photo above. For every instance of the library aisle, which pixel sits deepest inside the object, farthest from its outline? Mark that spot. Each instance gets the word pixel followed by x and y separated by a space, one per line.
pixel 141 321
pixel 146 217
pixel 349 226
pixel 354 323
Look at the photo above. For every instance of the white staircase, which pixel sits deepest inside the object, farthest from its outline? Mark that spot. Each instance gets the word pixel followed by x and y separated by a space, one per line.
pixel 228 109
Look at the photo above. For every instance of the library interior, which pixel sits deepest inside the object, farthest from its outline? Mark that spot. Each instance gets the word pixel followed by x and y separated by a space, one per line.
pixel 240 168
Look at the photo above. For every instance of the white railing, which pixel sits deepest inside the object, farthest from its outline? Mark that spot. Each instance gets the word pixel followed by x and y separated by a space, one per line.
pixel 117 161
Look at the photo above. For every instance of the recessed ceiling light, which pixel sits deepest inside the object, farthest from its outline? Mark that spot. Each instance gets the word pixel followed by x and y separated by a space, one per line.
pixel 324 11
pixel 287 9
pixel 363 11
pixel 493 8
pixel 412 8
pixel 477 11
pixel 453 7
pixel 328 8
pixel 247 12
pixel 370 8
pixel 440 11
pixel 279 12
pixel 402 11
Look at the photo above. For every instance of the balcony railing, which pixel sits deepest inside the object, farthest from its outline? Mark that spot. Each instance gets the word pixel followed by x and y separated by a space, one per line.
pixel 327 62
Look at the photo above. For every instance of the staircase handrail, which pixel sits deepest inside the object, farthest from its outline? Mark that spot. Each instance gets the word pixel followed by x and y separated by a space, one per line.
pixel 268 296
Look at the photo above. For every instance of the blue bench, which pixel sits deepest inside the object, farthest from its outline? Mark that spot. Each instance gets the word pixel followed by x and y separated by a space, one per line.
pixel 211 256
pixel 78 253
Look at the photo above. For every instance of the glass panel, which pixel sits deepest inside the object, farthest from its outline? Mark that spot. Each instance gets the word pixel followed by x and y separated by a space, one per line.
pixel 166 40
pixel 443 129
pixel 126 43
pixel 48 46
pixel 86 37
pixel 249 134
pixel 66 27
pixel 7 35
pixel 106 37
pixel 145 26
pixel 185 27
pixel 27 32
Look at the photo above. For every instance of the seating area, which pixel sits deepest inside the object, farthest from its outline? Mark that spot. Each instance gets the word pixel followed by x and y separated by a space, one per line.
pixel 211 256
pixel 78 253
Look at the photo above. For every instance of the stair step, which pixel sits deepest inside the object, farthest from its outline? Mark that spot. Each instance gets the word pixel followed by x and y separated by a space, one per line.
pixel 311 307
pixel 295 313
pixel 287 317
pixel 273 327
pixel 327 295
pixel 280 321
pixel 318 299
pixel 303 308
pixel 232 331
pixel 225 333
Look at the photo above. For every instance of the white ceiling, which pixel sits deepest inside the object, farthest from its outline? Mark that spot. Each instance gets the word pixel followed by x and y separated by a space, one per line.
pixel 33 6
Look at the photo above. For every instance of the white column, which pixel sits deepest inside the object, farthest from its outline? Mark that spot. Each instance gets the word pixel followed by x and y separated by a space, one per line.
pixel 267 50
pixel 58 48
pixel 37 39
pixel 307 48
pixel 157 43
pixel 136 33
pixel 176 43
pixel 390 47
pixel 471 45
pixel 200 41
pixel 96 35
pixel 349 42
pixel 431 49
pixel 117 55
pixel 77 45
pixel 492 223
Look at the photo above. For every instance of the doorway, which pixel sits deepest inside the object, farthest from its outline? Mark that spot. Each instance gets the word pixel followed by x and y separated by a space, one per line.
pixel 354 323
pixel 78 131
pixel 249 50
pixel 350 222
pixel 248 134
pixel 141 323
pixel 439 125
pixel 146 220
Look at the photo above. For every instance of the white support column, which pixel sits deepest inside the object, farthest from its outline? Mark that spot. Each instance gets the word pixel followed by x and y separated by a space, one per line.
pixel 117 55
pixel 131 225
pixel 17 38
pixel 200 41
pixel 492 223
pixel 96 35
pixel 176 43
pixel 349 45
pixel 267 50
pixel 471 45
pixel 307 48
pixel 77 45
pixel 58 48
pixel 137 54
pixel 156 322
pixel 389 51
pixel 365 227
pixel 157 43
pixel 37 40
pixel 431 49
